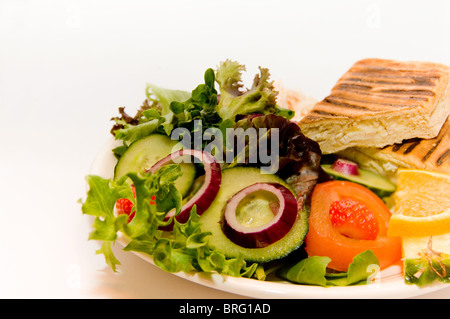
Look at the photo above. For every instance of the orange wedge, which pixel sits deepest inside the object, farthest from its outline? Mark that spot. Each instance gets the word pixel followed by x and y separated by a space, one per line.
pixel 422 204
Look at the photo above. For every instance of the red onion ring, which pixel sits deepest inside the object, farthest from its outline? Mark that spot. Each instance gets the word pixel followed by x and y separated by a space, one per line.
pixel 264 235
pixel 345 167
pixel 207 192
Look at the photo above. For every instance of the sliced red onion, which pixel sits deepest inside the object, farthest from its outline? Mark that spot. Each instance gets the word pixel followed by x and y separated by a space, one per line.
pixel 345 167
pixel 207 192
pixel 261 236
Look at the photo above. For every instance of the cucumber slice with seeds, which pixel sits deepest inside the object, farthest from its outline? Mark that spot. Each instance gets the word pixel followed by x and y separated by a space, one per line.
pixel 144 153
pixel 234 180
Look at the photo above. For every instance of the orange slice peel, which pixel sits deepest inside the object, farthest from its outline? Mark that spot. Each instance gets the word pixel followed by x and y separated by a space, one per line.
pixel 422 204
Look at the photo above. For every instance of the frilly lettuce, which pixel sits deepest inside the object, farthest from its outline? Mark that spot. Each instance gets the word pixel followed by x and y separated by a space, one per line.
pixel 184 250
pixel 166 109
pixel 260 98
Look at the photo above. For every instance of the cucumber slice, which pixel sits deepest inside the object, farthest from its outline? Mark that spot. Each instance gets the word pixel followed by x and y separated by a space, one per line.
pixel 144 153
pixel 234 180
pixel 376 183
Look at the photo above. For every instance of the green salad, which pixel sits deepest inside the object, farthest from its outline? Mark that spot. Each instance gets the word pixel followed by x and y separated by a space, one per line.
pixel 218 179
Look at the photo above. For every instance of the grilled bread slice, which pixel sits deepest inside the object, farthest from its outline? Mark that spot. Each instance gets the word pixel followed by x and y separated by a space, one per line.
pixel 381 102
pixel 430 154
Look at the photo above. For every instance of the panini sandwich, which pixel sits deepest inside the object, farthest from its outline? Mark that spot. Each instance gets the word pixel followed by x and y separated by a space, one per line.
pixel 381 102
pixel 430 154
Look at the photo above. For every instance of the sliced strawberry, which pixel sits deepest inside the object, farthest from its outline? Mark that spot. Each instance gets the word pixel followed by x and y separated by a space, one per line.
pixel 353 219
pixel 125 206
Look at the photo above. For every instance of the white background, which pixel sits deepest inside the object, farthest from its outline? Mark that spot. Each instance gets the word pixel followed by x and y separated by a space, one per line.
pixel 66 66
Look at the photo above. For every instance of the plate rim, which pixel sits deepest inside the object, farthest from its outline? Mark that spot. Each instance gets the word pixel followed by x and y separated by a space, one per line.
pixel 393 288
pixel 390 289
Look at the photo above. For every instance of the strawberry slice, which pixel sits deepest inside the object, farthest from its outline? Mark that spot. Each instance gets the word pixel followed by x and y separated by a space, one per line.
pixel 125 206
pixel 353 219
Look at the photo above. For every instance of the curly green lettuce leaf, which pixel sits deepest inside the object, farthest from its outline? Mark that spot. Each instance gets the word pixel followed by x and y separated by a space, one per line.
pixel 313 271
pixel 183 249
pixel 150 116
pixel 107 252
pixel 200 106
pixel 133 133
pixel 165 97
pixel 167 109
pixel 100 201
pixel 101 198
pixel 260 98
pixel 187 250
pixel 103 194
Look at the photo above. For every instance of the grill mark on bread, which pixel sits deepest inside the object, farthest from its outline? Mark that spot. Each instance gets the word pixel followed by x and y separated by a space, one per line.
pixel 393 68
pixel 396 147
pixel 409 92
pixel 412 145
pixel 378 94
pixel 332 100
pixel 441 159
pixel 413 80
pixel 333 106
pixel 443 134
pixel 430 152
pixel 408 145
pixel 424 80
pixel 330 107
pixel 375 88
pixel 320 112
pixel 433 152
pixel 354 86
pixel 311 117
pixel 419 78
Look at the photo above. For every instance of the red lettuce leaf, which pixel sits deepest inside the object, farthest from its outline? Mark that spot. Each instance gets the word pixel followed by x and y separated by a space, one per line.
pixel 298 156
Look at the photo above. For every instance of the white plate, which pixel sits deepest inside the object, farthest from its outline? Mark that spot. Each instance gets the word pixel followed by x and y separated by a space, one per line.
pixel 389 284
